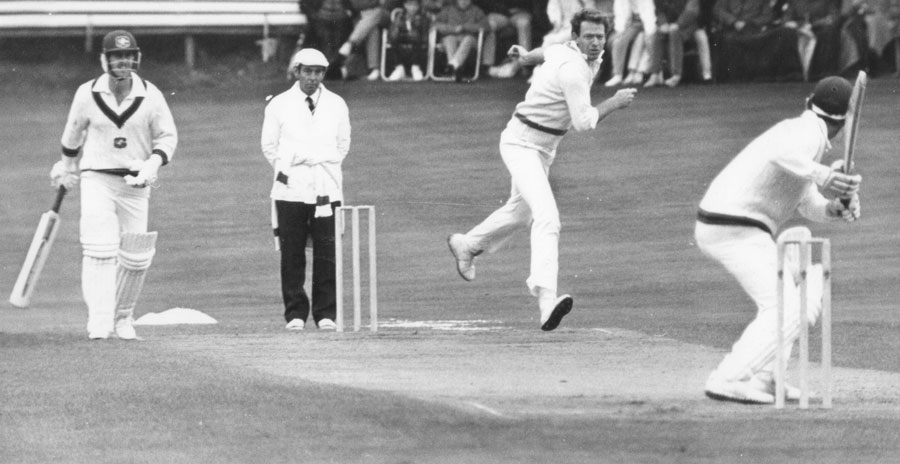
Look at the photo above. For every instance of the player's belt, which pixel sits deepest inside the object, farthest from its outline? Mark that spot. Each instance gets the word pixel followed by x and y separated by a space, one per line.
pixel 717 219
pixel 539 127
pixel 121 172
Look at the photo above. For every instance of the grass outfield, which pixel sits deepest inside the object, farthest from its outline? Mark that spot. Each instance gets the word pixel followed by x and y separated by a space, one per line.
pixel 621 381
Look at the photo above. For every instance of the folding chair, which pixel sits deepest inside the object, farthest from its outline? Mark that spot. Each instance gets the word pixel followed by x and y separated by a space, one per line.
pixel 434 45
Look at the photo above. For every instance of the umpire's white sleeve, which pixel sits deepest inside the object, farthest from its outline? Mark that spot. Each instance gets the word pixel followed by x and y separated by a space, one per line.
pixel 271 131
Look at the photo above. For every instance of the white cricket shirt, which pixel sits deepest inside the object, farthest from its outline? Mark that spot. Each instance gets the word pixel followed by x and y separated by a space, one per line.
pixel 117 136
pixel 560 92
pixel 775 175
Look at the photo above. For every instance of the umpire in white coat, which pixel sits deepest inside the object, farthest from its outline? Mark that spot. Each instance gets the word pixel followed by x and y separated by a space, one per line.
pixel 305 137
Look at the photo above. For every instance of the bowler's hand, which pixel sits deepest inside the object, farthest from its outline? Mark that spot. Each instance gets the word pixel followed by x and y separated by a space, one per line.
pixel 516 52
pixel 623 98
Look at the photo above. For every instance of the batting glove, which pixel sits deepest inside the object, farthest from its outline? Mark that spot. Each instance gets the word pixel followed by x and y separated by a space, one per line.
pixel 147 173
pixel 64 173
pixel 843 185
pixel 849 212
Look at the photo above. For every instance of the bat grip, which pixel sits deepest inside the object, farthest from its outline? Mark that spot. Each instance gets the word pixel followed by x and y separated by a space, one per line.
pixel 59 198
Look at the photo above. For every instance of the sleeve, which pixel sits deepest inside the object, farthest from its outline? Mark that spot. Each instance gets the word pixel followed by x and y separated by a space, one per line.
pixel 270 134
pixel 813 205
pixel 794 158
pixel 343 133
pixel 163 131
pixel 576 88
pixel 77 123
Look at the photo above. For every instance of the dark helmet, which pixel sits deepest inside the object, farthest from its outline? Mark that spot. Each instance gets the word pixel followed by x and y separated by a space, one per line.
pixel 831 97
pixel 120 41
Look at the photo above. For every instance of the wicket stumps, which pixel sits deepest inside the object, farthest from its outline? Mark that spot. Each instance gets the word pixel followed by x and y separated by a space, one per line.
pixel 805 253
pixel 340 217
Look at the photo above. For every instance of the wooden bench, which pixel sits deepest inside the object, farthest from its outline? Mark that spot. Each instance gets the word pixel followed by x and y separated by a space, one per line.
pixel 93 18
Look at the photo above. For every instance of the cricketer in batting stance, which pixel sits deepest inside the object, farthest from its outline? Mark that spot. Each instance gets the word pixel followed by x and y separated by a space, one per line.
pixel 118 133
pixel 558 99
pixel 779 174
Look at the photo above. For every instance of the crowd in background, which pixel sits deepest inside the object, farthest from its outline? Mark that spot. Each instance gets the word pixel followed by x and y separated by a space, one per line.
pixel 652 42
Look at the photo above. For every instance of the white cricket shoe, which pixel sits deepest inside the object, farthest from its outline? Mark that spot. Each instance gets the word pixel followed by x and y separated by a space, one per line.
pixel 465 257
pixel 397 74
pixel 752 391
pixel 374 75
pixel 295 324
pixel 673 81
pixel 327 324
pixel 416 71
pixel 98 334
pixel 552 314
pixel 616 80
pixel 125 329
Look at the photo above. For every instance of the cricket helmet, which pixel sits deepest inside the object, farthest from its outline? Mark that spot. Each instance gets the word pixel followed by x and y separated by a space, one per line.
pixel 119 41
pixel 831 98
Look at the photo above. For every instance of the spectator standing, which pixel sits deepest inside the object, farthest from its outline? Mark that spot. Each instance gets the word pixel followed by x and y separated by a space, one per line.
pixel 408 36
pixel 330 24
pixel 558 99
pixel 631 17
pixel 679 22
pixel 305 137
pixel 458 25
pixel 121 127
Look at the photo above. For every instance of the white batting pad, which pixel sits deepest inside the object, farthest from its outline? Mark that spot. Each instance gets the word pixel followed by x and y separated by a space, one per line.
pixel 136 252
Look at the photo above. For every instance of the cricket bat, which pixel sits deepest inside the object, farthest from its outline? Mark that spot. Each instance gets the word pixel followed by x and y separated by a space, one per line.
pixel 37 253
pixel 852 124
pixel 852 127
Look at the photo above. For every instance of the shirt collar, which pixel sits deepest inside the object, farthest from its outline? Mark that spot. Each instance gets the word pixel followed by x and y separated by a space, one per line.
pixel 138 88
pixel 820 124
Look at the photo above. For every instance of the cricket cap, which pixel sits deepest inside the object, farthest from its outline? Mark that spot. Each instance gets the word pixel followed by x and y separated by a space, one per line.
pixel 119 41
pixel 308 57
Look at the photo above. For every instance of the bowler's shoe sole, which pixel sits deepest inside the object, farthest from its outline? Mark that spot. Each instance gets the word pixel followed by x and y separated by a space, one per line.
pixel 562 308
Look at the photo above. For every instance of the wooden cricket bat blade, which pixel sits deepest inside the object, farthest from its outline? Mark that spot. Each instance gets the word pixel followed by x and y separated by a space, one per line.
pixel 37 254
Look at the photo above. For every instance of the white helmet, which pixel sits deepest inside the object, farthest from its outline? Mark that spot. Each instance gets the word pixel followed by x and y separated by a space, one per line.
pixel 309 57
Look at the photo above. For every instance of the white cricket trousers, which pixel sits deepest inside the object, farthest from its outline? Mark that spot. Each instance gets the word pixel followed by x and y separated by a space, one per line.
pixel 751 256
pixel 528 155
pixel 109 207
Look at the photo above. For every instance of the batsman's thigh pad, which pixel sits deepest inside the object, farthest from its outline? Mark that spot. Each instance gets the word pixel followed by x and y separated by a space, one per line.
pixel 135 253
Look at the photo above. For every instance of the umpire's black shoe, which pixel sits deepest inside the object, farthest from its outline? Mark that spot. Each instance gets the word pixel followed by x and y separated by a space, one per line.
pixel 562 307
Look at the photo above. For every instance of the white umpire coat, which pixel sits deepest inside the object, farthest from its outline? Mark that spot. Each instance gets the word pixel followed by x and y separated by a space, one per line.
pixel 307 146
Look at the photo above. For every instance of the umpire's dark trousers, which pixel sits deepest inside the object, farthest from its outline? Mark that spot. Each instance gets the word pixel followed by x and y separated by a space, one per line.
pixel 296 224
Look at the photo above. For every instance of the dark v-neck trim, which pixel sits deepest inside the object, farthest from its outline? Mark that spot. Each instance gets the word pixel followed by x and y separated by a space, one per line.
pixel 118 120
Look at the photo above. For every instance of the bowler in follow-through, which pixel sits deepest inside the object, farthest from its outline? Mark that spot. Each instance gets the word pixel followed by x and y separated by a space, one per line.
pixel 558 99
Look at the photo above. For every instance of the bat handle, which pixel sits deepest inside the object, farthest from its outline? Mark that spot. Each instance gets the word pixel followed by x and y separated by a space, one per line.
pixel 59 198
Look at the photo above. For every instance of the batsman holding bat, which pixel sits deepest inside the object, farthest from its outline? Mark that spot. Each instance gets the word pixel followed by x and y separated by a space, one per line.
pixel 779 174
pixel 559 99
pixel 118 133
